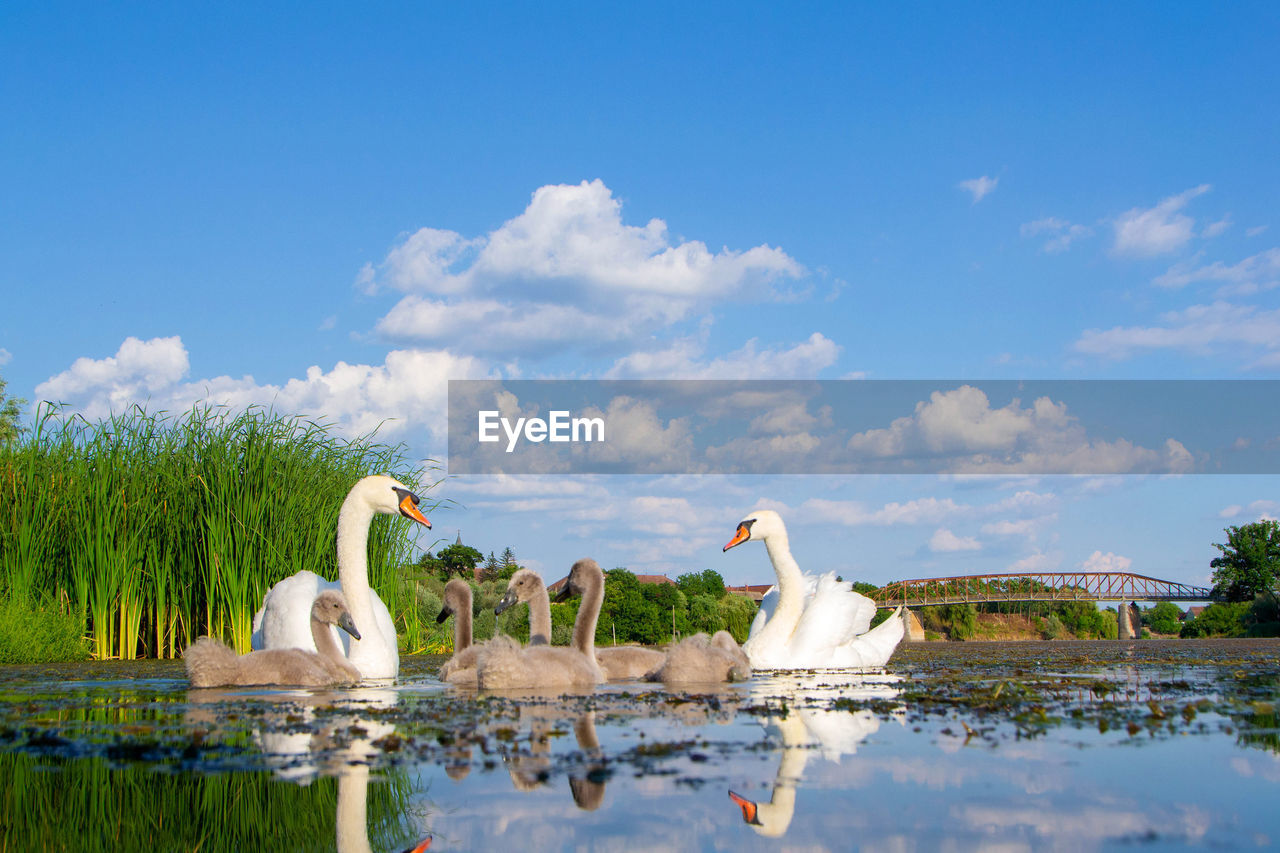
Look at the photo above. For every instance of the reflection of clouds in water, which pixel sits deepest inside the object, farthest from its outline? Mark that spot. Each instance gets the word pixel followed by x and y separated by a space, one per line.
pixel 1090 823
pixel 1261 766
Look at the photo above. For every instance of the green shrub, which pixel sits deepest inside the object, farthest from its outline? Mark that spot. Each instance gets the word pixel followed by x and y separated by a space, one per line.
pixel 31 633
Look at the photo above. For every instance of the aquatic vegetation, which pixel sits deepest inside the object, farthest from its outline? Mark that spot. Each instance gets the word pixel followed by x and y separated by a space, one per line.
pixel 157 529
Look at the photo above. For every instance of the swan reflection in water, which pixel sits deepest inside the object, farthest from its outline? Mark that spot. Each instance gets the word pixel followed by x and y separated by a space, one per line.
pixel 806 722
pixel 298 748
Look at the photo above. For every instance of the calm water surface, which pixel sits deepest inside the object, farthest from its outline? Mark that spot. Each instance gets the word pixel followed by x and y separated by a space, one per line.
pixel 1026 746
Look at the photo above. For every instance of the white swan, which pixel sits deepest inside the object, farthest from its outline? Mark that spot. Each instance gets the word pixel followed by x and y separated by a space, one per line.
pixel 283 620
pixel 808 622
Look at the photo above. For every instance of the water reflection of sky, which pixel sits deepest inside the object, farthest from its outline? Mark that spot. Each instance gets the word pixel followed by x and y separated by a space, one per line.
pixel 957 747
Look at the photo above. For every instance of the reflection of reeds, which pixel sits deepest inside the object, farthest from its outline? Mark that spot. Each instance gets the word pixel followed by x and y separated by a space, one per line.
pixel 86 804
pixel 157 529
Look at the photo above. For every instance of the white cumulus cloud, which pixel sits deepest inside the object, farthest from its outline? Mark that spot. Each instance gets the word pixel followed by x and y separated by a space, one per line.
pixel 961 428
pixel 1108 562
pixel 407 392
pixel 565 272
pixel 944 541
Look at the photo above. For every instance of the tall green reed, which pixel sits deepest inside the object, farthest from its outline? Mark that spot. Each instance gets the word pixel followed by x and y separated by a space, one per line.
pixel 159 528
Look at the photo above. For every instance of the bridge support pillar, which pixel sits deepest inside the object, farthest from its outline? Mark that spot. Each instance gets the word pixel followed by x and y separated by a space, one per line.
pixel 1129 621
pixel 915 631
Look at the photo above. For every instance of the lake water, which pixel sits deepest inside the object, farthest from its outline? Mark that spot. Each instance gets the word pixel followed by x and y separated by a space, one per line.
pixel 1020 746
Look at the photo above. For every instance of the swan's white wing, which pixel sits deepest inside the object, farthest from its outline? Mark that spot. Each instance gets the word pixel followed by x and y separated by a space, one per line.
pixel 875 647
pixel 768 604
pixel 284 620
pixel 833 615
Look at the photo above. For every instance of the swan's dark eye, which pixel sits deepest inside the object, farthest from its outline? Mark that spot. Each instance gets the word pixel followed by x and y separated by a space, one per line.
pixel 405 493
pixel 747 524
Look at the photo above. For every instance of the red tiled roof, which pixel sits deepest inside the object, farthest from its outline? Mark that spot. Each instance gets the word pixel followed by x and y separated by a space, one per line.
pixel 753 591
pixel 655 579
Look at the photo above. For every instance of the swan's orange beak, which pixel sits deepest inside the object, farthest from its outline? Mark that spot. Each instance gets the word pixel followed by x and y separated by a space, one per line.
pixel 420 846
pixel 748 808
pixel 409 509
pixel 738 538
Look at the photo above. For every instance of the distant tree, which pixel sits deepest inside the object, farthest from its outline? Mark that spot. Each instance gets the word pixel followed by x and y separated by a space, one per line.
pixel 707 582
pixel 627 611
pixel 1223 619
pixel 508 557
pixel 491 565
pixel 459 559
pixel 737 611
pixel 10 412
pixel 1082 618
pixel 1163 618
pixel 430 565
pixel 867 589
pixel 672 607
pixel 704 615
pixel 1249 563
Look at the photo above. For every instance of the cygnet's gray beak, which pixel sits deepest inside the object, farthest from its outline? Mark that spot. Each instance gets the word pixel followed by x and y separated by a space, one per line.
pixel 507 600
pixel 346 623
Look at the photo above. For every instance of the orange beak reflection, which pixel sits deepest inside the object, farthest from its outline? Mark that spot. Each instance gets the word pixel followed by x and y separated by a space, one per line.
pixel 748 808
pixel 739 537
pixel 409 510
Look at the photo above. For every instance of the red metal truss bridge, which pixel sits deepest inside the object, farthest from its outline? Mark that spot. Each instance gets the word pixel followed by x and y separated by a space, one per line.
pixel 1047 586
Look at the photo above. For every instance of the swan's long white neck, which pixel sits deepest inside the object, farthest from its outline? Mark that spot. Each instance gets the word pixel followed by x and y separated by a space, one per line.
pixel 353 561
pixel 790 589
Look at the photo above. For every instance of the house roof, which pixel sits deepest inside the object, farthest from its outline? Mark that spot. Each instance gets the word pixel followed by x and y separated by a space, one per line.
pixel 753 591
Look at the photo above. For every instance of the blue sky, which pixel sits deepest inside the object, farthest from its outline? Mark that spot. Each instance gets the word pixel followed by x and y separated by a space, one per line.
pixel 336 209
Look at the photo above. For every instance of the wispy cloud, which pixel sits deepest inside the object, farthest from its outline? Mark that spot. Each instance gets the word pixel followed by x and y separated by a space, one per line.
pixel 1242 331
pixel 1156 230
pixel 1061 233
pixel 686 359
pixel 979 188
pixel 1254 273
